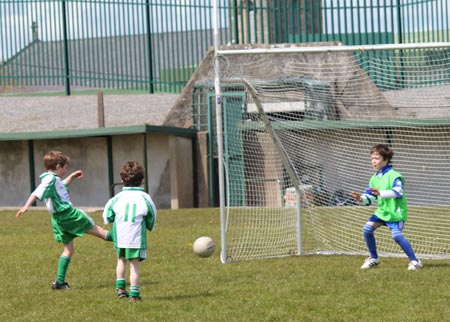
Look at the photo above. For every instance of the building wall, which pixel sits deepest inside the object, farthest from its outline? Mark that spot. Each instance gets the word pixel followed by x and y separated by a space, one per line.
pixel 14 171
pixel 47 114
pixel 89 155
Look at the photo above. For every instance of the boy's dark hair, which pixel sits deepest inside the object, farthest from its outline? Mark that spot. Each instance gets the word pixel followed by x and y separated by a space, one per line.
pixel 385 151
pixel 53 158
pixel 132 173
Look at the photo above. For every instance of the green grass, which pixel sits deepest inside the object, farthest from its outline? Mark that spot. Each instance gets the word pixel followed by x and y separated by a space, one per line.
pixel 178 286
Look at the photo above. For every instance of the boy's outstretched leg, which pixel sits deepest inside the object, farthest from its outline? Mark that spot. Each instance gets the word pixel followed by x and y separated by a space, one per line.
pixel 100 233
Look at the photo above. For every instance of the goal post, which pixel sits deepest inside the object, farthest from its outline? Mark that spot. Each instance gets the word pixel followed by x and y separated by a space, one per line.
pixel 298 123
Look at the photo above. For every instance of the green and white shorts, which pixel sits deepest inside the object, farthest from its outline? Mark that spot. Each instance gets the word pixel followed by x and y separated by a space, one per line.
pixel 70 224
pixel 131 253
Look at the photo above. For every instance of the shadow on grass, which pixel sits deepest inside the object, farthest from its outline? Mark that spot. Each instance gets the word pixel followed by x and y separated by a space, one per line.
pixel 429 264
pixel 184 296
pixel 108 285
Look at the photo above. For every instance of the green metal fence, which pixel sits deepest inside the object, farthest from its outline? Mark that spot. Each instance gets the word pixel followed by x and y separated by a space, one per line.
pixel 155 45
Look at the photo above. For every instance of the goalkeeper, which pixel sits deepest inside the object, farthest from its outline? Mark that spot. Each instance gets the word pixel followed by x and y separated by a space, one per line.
pixel 387 188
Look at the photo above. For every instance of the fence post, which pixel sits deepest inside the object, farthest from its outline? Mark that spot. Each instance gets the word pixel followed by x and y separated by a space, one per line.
pixel 66 49
pixel 150 54
pixel 100 109
pixel 399 22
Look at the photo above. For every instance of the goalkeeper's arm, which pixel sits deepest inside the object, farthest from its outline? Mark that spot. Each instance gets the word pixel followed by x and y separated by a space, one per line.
pixel 370 195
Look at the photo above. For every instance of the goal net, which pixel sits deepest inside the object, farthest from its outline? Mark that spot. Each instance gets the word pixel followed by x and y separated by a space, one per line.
pixel 298 125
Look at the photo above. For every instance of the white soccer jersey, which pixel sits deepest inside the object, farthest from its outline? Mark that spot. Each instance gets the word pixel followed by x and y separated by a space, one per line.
pixel 132 211
pixel 54 192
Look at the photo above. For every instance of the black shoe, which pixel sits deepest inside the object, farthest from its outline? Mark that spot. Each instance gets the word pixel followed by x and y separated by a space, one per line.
pixel 121 293
pixel 57 286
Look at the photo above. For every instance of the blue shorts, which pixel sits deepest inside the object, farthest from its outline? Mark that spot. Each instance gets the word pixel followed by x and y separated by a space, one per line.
pixel 392 225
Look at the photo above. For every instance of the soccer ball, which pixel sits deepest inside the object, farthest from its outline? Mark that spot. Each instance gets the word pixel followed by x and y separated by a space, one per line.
pixel 204 246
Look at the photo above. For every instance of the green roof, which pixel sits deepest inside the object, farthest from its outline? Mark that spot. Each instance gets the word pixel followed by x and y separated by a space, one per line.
pixel 104 131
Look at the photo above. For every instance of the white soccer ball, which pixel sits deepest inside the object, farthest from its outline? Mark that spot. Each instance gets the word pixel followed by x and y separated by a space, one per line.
pixel 204 246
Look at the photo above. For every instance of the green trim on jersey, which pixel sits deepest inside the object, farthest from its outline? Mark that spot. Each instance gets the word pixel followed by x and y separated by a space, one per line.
pixel 150 218
pixel 389 209
pixel 131 213
pixel 131 253
pixel 54 192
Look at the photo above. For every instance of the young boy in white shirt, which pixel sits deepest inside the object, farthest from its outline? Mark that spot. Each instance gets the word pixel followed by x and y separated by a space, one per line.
pixel 132 212
pixel 67 222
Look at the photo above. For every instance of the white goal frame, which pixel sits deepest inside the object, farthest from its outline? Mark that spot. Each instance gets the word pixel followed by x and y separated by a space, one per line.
pixel 221 54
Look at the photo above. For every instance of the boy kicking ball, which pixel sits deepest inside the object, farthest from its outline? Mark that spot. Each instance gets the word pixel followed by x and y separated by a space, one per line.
pixel 67 222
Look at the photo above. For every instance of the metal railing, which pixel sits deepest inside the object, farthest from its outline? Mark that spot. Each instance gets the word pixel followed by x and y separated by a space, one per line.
pixel 155 45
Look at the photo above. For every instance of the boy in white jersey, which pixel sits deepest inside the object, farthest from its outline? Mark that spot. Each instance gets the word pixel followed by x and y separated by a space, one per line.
pixel 132 211
pixel 387 188
pixel 67 222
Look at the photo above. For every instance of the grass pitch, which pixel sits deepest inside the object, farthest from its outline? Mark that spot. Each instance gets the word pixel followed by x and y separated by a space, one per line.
pixel 178 286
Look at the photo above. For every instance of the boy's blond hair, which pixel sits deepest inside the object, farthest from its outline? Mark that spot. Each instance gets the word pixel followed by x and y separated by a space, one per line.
pixel 53 158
